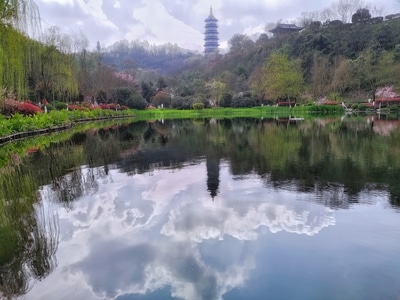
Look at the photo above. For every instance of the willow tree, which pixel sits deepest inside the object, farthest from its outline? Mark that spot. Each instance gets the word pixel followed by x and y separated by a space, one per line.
pixel 55 77
pixel 23 15
pixel 18 19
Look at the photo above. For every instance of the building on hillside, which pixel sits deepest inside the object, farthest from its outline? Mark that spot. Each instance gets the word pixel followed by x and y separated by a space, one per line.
pixel 211 34
pixel 283 29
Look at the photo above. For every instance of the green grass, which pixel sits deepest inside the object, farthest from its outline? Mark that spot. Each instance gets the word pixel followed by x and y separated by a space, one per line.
pixel 258 112
pixel 19 123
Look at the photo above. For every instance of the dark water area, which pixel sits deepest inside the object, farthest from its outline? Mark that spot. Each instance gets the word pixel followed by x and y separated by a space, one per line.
pixel 206 209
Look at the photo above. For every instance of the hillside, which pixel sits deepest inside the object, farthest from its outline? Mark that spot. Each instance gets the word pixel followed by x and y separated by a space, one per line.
pixel 164 59
pixel 335 60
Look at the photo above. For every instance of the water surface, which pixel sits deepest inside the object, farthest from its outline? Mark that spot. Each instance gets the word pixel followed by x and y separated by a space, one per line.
pixel 212 209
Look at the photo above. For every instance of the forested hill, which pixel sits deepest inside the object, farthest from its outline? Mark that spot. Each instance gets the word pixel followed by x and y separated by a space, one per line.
pixel 164 59
pixel 331 60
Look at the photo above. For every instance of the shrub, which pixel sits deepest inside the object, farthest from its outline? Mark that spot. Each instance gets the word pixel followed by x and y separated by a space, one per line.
pixel 182 102
pixel 137 102
pixel 76 107
pixel 121 95
pixel 10 107
pixel 198 105
pixel 28 109
pixel 111 106
pixel 60 105
pixel 226 100
pixel 101 97
pixel 243 100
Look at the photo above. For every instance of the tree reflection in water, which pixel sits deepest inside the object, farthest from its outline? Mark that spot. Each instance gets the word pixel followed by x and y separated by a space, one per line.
pixel 29 247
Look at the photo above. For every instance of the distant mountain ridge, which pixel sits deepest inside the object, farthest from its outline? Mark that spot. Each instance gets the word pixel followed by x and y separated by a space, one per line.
pixel 164 59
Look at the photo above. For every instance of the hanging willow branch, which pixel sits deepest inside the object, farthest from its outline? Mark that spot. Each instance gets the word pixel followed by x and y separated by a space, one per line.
pixel 23 15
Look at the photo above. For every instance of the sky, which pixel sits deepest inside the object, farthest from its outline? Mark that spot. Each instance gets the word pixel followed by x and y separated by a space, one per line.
pixel 178 22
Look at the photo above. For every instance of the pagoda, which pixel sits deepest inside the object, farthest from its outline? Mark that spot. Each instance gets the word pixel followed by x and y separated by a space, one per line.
pixel 211 34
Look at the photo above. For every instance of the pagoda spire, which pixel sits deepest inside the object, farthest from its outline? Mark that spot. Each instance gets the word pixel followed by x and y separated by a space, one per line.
pixel 211 34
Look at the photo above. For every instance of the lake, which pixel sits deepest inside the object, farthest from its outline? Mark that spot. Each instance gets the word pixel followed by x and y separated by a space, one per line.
pixel 240 208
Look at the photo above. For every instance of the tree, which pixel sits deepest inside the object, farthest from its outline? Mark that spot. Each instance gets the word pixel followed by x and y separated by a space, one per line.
pixel 282 78
pixel 240 42
pixel 361 15
pixel 161 83
pixel 21 14
pixel 148 90
pixel 58 74
pixel 343 76
pixel 342 10
pixel 218 89
pixel 320 75
pixel 162 98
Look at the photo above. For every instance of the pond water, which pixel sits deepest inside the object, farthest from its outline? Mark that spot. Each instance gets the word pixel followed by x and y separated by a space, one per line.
pixel 207 209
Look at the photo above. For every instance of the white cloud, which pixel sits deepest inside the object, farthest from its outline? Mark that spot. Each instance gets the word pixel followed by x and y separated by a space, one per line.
pixel 62 2
pixel 94 9
pixel 157 26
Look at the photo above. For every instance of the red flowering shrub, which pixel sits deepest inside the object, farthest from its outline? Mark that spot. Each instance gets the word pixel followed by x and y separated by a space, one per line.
pixel 111 106
pixel 28 109
pixel 103 106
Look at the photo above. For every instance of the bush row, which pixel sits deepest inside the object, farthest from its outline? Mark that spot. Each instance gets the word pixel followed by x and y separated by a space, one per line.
pixel 11 107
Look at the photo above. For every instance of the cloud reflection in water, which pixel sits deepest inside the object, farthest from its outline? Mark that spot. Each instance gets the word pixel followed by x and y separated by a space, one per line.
pixel 142 233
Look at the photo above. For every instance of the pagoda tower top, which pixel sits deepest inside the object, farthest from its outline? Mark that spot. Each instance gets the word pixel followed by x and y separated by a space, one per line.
pixel 211 34
pixel 211 16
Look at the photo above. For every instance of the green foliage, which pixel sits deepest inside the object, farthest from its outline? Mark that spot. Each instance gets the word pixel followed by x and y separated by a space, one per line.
pixel 361 15
pixel 283 78
pixel 148 90
pixel 325 109
pixel 137 102
pixel 19 123
pixel 226 100
pixel 32 69
pixel 179 102
pixel 198 105
pixel 334 96
pixel 240 42
pixel 121 95
pixel 244 100
pixel 60 105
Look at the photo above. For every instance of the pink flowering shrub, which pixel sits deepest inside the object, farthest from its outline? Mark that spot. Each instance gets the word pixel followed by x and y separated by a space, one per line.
pixel 385 92
pixel 10 107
